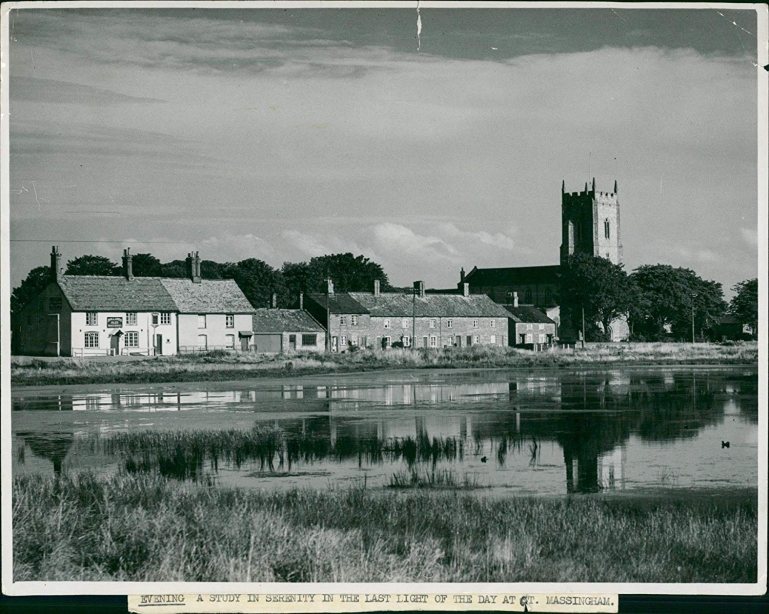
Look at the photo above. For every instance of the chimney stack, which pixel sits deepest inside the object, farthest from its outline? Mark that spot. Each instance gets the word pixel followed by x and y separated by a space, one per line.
pixel 594 184
pixel 128 267
pixel 55 263
pixel 465 289
pixel 301 300
pixel 462 275
pixel 515 299
pixel 193 267
pixel 419 286
pixel 329 287
pixel 376 287
pixel 274 301
pixel 615 187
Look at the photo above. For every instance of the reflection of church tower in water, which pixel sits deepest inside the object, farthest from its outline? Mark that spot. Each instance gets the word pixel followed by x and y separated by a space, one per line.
pixel 591 223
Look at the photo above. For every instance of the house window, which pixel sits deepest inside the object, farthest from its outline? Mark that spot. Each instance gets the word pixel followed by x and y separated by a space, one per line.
pixel 230 341
pixel 342 320
pixel 541 327
pixel 542 338
pixel 202 320
pixel 91 340
pixel 449 323
pixel 229 320
pixel 529 326
pixel 493 339
pixel 476 339
pixel 309 339
pixel 344 341
pixel 432 323
pixel 405 323
pixel 202 342
pixel 529 338
pixel 354 320
pixel 130 318
pixel 154 319
pixel 165 318
pixel 54 303
pixel 406 341
pixel 433 341
pixel 91 318
pixel 607 229
pixel 450 340
pixel 354 340
pixel 387 323
pixel 527 295
pixel 475 323
pixel 493 324
pixel 132 339
pixel 386 342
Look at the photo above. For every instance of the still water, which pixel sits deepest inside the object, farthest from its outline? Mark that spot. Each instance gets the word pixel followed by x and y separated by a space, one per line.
pixel 638 430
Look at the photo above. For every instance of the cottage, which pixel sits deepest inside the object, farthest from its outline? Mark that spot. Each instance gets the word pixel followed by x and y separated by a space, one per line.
pixel 529 327
pixel 93 315
pixel 389 319
pixel 287 330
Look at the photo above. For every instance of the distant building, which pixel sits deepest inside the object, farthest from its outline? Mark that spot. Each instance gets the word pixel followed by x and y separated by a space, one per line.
pixel 92 315
pixel 590 223
pixel 386 319
pixel 730 328
pixel 529 327
pixel 287 330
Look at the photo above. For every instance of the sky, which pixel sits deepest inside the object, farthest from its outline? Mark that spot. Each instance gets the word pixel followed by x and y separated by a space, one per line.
pixel 287 134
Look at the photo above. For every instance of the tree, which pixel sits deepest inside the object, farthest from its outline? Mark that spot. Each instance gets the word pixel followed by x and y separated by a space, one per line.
pixel 174 269
pixel 256 279
pixel 600 287
pixel 92 265
pixel 349 273
pixel 744 304
pixel 146 265
pixel 34 283
pixel 668 299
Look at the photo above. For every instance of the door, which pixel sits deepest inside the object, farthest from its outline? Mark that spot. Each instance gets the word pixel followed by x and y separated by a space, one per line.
pixel 114 344
pixel 244 344
pixel 469 340
pixel 292 342
pixel 158 345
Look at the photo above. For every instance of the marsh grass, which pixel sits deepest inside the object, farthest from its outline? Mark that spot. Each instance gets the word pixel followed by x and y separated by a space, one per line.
pixel 221 366
pixel 147 528
pixel 435 478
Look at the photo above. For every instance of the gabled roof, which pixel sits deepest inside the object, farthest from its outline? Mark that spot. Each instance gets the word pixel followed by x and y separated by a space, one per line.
pixel 525 314
pixel 338 303
pixel 102 293
pixel 510 276
pixel 396 305
pixel 207 296
pixel 285 320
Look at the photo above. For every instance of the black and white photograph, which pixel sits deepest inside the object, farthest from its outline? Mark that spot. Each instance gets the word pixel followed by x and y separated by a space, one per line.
pixel 393 294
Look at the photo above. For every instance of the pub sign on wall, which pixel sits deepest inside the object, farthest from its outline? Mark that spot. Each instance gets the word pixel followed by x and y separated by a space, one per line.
pixel 114 322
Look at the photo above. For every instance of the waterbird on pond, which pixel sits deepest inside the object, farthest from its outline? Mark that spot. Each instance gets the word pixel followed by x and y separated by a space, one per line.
pixel 484 459
pixel 724 444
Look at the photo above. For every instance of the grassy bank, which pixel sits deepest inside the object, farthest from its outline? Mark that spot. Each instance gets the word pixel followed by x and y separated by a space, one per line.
pixel 148 528
pixel 222 366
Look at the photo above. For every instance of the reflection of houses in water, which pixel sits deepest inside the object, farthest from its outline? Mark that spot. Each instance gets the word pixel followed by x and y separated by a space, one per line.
pixel 50 446
pixel 611 469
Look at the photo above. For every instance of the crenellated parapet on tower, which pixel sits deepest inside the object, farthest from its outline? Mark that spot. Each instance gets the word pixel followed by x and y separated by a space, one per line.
pixel 591 223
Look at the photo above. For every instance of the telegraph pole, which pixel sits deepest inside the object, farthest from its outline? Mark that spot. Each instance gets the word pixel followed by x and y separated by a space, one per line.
pixel 694 295
pixel 583 327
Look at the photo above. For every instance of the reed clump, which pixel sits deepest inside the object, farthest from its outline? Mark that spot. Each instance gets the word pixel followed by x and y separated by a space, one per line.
pixel 144 527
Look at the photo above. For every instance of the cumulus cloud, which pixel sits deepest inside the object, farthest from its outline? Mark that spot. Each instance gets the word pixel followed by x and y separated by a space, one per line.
pixel 750 236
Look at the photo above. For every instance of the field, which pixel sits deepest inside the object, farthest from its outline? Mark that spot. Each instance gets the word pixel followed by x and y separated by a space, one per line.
pixel 223 366
pixel 148 528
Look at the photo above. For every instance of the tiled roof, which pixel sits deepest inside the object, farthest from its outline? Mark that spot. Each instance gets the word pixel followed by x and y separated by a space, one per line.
pixel 526 314
pixel 338 303
pixel 102 293
pixel 510 276
pixel 437 305
pixel 285 320
pixel 208 296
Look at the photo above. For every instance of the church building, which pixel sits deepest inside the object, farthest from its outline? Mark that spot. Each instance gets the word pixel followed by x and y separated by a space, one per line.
pixel 590 223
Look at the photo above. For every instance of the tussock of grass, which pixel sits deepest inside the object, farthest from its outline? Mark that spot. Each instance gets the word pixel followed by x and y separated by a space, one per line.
pixel 436 478
pixel 220 366
pixel 146 528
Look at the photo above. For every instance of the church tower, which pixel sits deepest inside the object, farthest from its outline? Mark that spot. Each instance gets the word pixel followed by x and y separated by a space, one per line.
pixel 590 223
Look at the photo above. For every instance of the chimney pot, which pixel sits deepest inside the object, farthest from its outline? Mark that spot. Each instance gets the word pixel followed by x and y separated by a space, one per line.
pixel 419 286
pixel 329 287
pixel 301 300
pixel 128 268
pixel 274 301
pixel 55 263
pixel 465 289
pixel 376 287
pixel 515 299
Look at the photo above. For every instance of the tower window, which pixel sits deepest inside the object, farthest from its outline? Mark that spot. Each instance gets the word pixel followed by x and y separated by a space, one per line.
pixel 607 229
pixel 527 295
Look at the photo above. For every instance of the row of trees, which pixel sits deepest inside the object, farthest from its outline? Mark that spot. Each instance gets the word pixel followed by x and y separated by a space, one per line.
pixel 658 300
pixel 257 279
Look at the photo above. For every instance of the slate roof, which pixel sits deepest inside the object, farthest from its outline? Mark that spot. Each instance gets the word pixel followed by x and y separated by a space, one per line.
pixel 510 276
pixel 102 293
pixel 285 320
pixel 208 296
pixel 526 314
pixel 339 303
pixel 397 305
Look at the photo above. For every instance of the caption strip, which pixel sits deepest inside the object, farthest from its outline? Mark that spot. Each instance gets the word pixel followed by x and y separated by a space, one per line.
pixel 370 602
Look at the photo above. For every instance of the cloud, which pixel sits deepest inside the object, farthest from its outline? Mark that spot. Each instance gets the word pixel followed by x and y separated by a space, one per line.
pixel 750 236
pixel 52 91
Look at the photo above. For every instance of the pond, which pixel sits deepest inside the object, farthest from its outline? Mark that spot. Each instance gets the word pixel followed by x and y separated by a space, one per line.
pixel 622 430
